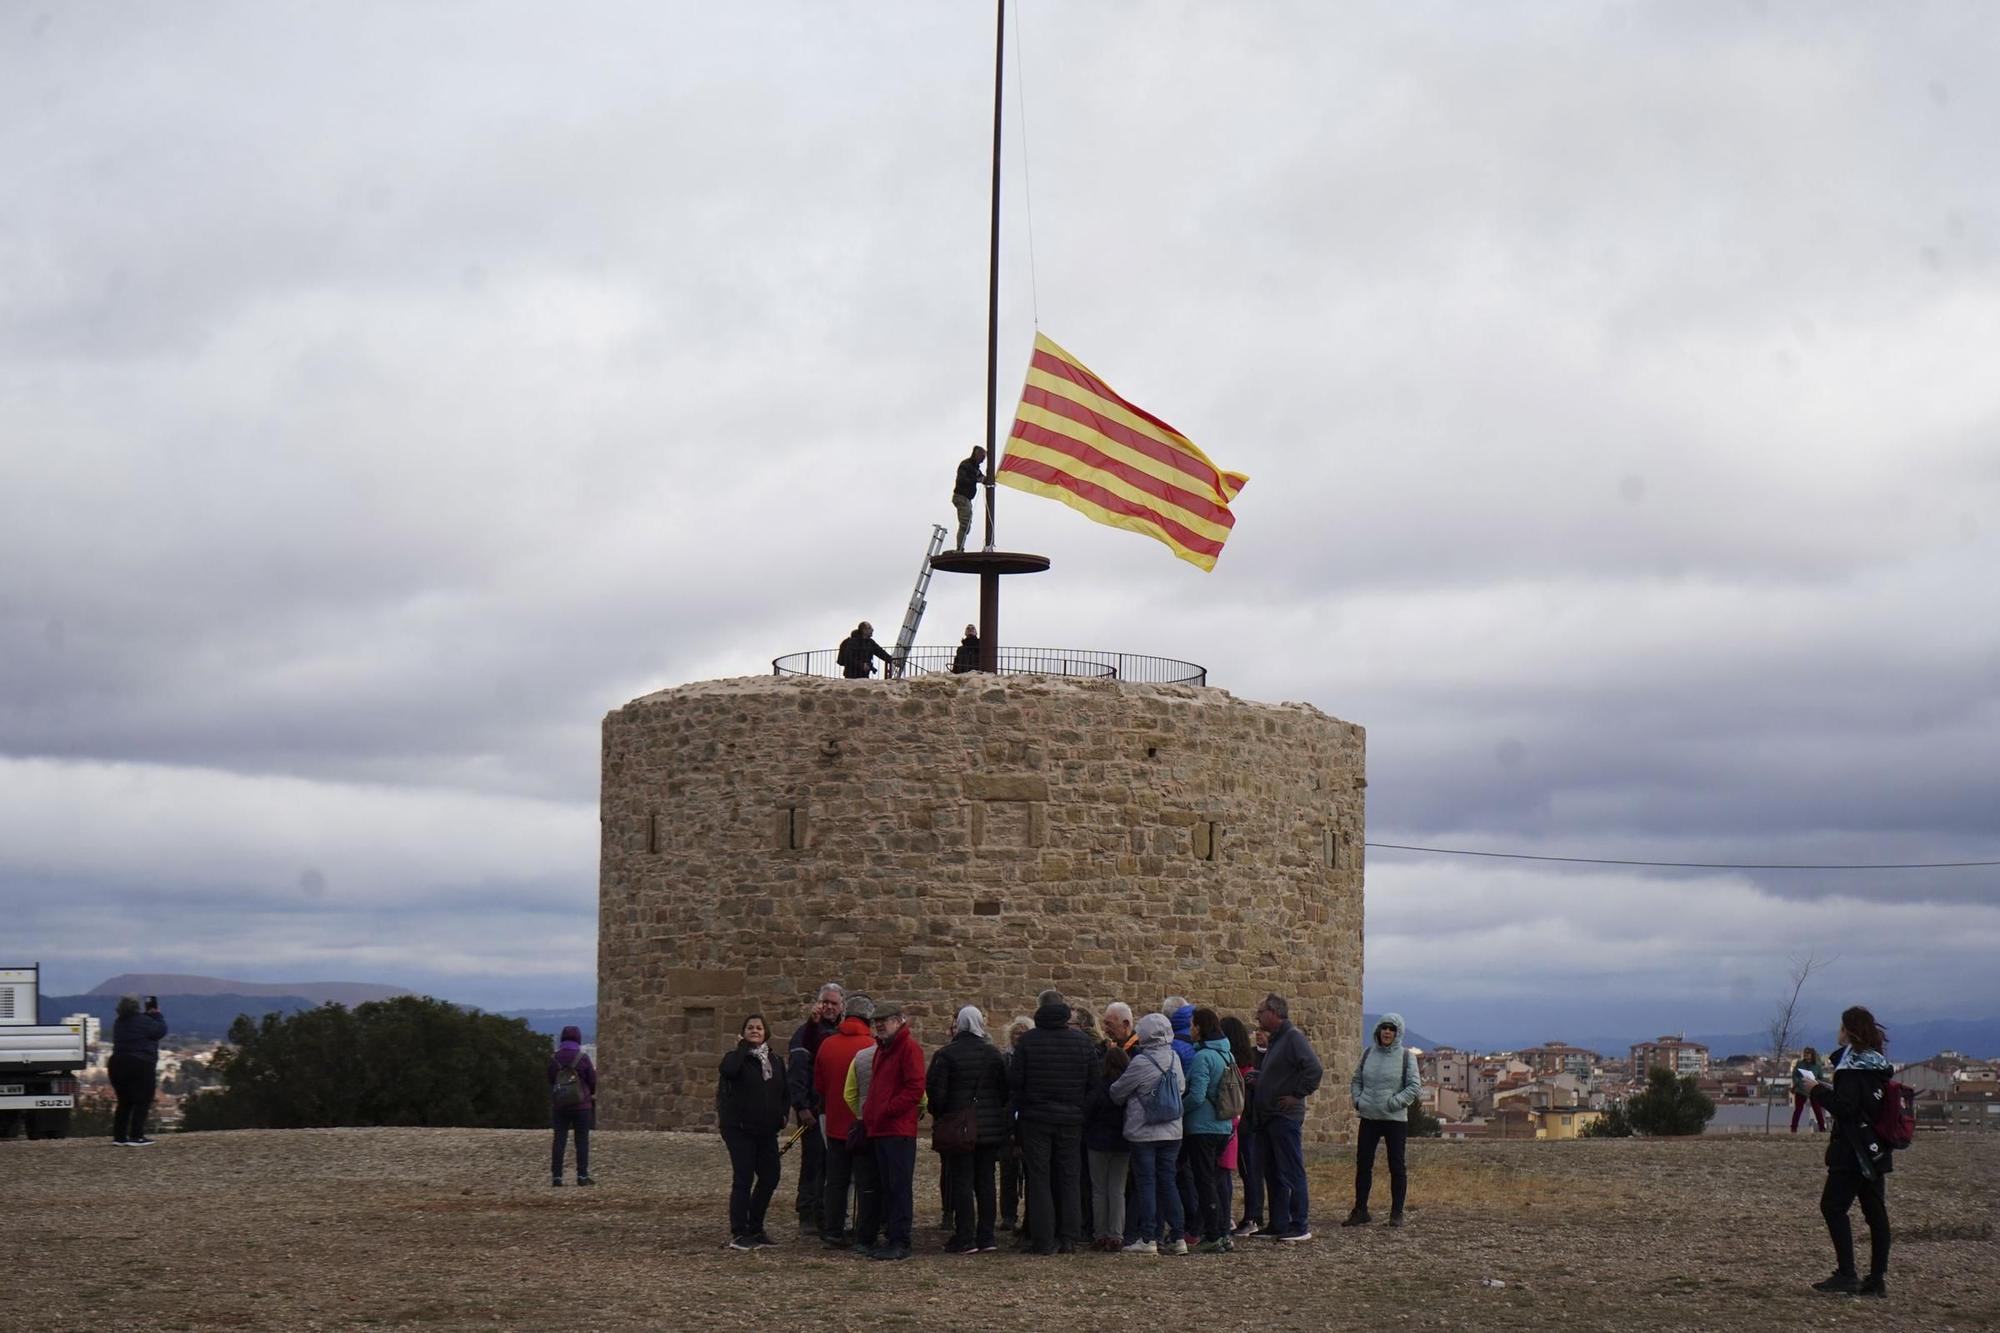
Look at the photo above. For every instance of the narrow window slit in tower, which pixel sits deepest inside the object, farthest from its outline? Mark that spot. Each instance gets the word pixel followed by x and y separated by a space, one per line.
pixel 986 907
pixel 653 832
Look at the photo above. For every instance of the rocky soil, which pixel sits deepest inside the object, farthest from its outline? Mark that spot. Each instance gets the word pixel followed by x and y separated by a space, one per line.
pixel 450 1229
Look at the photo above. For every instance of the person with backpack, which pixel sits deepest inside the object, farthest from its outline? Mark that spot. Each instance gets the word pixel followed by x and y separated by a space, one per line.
pixel 1385 1086
pixel 751 1106
pixel 1152 1092
pixel 1214 1099
pixel 858 651
pixel 573 1104
pixel 1870 1117
pixel 1291 1073
pixel 1808 1064
pixel 967 1088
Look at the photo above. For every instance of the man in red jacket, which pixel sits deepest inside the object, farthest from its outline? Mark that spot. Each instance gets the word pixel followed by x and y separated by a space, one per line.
pixel 830 1062
pixel 890 1118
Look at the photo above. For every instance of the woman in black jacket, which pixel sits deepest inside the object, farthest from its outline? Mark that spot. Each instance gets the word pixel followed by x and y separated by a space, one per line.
pixel 967 1074
pixel 751 1105
pixel 1857 1160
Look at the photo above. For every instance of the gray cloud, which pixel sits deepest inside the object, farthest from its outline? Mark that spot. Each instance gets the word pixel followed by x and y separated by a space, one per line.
pixel 383 400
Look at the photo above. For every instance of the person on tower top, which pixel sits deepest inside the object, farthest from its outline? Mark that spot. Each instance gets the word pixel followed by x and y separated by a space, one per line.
pixel 965 488
pixel 858 651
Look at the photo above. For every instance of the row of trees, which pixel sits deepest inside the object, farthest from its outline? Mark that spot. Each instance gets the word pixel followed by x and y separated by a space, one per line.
pixel 411 1060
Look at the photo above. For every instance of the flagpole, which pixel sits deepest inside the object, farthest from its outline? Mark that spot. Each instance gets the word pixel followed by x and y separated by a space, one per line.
pixel 989 582
pixel 990 564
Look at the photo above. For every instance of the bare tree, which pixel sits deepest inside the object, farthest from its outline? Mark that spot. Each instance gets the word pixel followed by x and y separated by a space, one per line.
pixel 1784 1022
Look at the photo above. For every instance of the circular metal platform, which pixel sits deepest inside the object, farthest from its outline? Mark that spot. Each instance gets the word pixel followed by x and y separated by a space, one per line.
pixel 989 562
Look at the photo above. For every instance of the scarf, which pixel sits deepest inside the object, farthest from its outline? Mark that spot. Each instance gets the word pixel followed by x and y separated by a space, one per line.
pixel 763 1053
pixel 971 1020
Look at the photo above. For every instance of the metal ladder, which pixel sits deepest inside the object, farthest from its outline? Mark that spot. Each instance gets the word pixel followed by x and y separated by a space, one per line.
pixel 915 615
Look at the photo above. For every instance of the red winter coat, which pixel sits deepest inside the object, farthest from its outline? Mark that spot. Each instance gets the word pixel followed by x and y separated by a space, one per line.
pixel 896 1089
pixel 830 1062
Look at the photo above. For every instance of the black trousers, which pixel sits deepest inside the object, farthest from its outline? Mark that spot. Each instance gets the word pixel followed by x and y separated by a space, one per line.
pixel 133 1078
pixel 867 1178
pixel 1010 1184
pixel 1842 1189
pixel 836 1175
pixel 1184 1185
pixel 1204 1149
pixel 563 1119
pixel 969 1177
pixel 753 1158
pixel 896 1167
pixel 1396 1134
pixel 812 1177
pixel 1050 1156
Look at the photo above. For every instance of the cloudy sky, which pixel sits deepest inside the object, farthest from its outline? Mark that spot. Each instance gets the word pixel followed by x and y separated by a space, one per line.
pixel 388 392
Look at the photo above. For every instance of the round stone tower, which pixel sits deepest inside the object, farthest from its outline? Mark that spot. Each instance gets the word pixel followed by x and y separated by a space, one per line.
pixel 950 840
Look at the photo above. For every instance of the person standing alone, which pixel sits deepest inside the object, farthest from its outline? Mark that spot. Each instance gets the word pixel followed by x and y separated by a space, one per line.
pixel 134 1067
pixel 1858 1161
pixel 572 1102
pixel 1385 1086
pixel 965 489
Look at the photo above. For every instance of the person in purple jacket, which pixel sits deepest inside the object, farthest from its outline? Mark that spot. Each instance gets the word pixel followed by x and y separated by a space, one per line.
pixel 573 1099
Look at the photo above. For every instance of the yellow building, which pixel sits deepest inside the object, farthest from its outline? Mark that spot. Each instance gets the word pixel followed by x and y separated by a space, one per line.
pixel 1563 1122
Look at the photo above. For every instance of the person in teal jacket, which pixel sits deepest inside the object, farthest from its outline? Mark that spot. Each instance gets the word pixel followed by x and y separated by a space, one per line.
pixel 1384 1088
pixel 1204 1134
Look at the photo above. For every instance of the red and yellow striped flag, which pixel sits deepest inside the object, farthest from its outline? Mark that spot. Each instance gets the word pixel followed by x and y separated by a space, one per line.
pixel 1077 441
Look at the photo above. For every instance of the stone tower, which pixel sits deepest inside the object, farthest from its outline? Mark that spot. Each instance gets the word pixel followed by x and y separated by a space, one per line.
pixel 947 840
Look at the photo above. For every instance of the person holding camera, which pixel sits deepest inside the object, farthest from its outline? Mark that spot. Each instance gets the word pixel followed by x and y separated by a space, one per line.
pixel 134 1067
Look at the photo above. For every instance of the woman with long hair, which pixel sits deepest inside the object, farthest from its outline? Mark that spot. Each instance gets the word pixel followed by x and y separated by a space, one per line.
pixel 1857 1159
pixel 1808 1064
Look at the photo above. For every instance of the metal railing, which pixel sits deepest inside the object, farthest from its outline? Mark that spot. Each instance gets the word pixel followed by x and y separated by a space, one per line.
pixel 1078 663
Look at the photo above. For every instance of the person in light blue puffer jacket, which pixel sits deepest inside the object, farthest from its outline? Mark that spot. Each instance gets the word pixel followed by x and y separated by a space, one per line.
pixel 1384 1088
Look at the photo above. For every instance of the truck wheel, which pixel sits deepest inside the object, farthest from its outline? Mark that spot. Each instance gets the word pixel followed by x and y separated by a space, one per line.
pixel 55 1124
pixel 10 1124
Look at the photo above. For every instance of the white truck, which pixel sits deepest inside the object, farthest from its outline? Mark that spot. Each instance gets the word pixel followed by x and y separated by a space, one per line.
pixel 38 1064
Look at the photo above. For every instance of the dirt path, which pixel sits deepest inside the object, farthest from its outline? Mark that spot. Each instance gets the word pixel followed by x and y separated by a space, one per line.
pixel 345 1229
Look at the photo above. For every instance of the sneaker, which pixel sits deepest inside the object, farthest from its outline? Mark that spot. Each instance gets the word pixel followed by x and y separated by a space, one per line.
pixel 1873 1286
pixel 1212 1247
pixel 1296 1236
pixel 756 1238
pixel 841 1241
pixel 1139 1247
pixel 741 1243
pixel 890 1252
pixel 1246 1228
pixel 585 1180
pixel 959 1247
pixel 988 1248
pixel 141 1142
pixel 1840 1284
pixel 1228 1245
pixel 1358 1218
pixel 1179 1246
pixel 121 1143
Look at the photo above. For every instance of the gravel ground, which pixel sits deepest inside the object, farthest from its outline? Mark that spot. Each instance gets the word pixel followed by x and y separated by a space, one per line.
pixel 362 1229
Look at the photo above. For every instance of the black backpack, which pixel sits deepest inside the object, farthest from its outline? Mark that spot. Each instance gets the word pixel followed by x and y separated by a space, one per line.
pixel 569 1089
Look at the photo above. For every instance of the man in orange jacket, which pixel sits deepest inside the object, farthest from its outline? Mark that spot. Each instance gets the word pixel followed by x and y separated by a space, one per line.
pixel 842 1167
pixel 890 1118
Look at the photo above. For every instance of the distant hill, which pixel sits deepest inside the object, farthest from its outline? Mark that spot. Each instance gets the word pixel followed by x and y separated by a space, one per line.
pixel 553 1021
pixel 188 1016
pixel 1410 1037
pixel 313 992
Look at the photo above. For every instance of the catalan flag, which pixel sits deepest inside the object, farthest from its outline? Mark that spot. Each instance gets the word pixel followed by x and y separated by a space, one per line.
pixel 1077 441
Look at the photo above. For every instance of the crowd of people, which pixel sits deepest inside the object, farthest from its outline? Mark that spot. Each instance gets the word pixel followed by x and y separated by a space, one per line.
pixel 1097 1131
pixel 1078 1130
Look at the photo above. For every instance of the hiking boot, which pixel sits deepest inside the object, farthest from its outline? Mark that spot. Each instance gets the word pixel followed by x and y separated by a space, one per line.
pixel 1212 1247
pixel 1178 1247
pixel 890 1252
pixel 1139 1247
pixel 1840 1284
pixel 586 1180
pixel 1874 1286
pixel 1358 1218
pixel 1396 1218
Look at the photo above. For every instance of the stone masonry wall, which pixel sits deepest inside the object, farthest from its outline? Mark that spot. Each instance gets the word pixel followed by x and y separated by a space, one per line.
pixel 966 839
